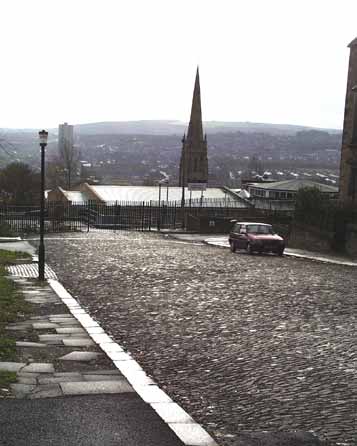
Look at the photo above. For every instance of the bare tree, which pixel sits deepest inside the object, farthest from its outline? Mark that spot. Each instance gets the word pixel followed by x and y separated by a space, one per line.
pixel 68 158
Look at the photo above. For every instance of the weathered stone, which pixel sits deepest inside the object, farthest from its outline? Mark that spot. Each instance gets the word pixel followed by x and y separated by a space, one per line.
pixel 78 342
pixel 80 356
pixel 46 391
pixel 95 387
pixel 11 366
pixel 21 390
pixel 37 367
pixel 30 344
pixel 70 330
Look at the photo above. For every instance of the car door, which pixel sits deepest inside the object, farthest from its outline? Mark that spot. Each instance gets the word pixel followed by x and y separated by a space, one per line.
pixel 241 237
pixel 235 233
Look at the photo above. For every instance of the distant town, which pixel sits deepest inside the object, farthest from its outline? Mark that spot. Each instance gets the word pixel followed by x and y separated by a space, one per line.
pixel 145 152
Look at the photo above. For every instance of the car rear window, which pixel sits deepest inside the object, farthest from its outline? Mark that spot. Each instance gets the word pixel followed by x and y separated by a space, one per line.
pixel 259 229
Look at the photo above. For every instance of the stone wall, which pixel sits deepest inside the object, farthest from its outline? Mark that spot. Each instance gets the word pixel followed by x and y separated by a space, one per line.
pixel 348 153
pixel 310 238
pixel 351 240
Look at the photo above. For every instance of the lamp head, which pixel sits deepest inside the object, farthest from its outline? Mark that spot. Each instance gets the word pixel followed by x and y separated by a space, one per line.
pixel 43 136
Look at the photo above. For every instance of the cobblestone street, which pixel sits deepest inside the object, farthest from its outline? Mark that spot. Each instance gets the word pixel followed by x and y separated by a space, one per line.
pixel 243 343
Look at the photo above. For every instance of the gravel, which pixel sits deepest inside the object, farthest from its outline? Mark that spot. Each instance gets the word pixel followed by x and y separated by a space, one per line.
pixel 245 344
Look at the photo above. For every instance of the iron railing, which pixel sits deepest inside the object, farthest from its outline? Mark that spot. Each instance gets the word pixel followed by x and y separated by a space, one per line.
pixel 124 215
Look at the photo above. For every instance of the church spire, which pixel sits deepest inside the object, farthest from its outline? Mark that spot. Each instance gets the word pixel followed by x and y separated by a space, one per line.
pixel 194 162
pixel 195 131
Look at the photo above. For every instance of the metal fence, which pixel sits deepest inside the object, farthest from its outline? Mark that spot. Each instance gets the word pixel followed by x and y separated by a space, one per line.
pixel 138 216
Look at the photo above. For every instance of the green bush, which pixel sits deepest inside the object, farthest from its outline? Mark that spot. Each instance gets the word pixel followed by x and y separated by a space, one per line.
pixel 5 230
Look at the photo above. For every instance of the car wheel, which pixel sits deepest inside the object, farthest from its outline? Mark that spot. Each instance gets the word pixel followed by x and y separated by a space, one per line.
pixel 249 248
pixel 281 252
pixel 233 246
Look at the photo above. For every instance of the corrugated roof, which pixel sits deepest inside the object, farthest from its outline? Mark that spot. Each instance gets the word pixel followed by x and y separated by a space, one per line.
pixel 75 196
pixel 294 185
pixel 151 193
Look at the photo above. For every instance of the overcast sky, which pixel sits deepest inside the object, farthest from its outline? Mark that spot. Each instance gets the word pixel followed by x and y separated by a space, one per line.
pixel 278 61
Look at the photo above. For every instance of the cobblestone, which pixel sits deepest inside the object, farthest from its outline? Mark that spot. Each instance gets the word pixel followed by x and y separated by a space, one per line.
pixel 243 343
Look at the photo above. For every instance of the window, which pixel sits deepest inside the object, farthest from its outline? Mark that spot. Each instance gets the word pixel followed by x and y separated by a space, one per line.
pixel 236 228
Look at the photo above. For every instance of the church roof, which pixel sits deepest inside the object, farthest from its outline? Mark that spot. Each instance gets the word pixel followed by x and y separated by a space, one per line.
pixel 353 43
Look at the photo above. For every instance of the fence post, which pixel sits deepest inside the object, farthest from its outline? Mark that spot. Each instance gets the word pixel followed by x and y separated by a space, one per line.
pixel 175 216
pixel 143 216
pixel 159 217
pixel 150 216
pixel 88 215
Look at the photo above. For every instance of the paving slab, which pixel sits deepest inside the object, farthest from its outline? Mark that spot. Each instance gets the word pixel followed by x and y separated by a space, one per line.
pixel 44 325
pixel 60 379
pixel 30 344
pixel 78 342
pixel 24 380
pixel 52 337
pixel 70 323
pixel 18 327
pixel 62 319
pixel 90 377
pixel 46 391
pixel 28 375
pixel 21 390
pixel 58 374
pixel 39 367
pixel 96 387
pixel 11 366
pixel 70 330
pixel 80 356
pixel 102 372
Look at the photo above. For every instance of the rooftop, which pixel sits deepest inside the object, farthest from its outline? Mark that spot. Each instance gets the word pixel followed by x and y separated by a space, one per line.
pixel 294 185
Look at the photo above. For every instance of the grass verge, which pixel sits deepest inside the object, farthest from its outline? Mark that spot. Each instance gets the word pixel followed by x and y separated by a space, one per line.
pixel 12 306
pixel 7 378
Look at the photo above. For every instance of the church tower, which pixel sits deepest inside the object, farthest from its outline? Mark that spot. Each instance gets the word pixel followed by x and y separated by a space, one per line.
pixel 194 163
pixel 348 166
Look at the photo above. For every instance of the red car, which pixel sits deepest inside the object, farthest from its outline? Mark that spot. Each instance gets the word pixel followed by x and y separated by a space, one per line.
pixel 255 237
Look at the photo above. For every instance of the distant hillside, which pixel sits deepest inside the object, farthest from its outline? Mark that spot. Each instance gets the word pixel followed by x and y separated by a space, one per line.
pixel 179 127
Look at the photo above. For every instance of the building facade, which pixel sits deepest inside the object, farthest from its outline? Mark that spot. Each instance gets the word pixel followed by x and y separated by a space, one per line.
pixel 194 162
pixel 348 166
pixel 65 138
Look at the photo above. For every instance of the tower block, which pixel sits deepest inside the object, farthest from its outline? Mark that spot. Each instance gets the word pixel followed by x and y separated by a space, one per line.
pixel 194 162
pixel 348 166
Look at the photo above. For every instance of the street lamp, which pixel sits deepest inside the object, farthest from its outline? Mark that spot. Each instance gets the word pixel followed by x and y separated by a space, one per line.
pixel 41 250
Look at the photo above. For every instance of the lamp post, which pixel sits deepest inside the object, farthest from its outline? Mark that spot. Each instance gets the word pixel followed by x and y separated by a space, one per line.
pixel 41 250
pixel 167 192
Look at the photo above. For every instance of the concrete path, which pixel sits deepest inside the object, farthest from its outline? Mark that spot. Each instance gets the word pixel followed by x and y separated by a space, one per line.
pixel 16 244
pixel 62 352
